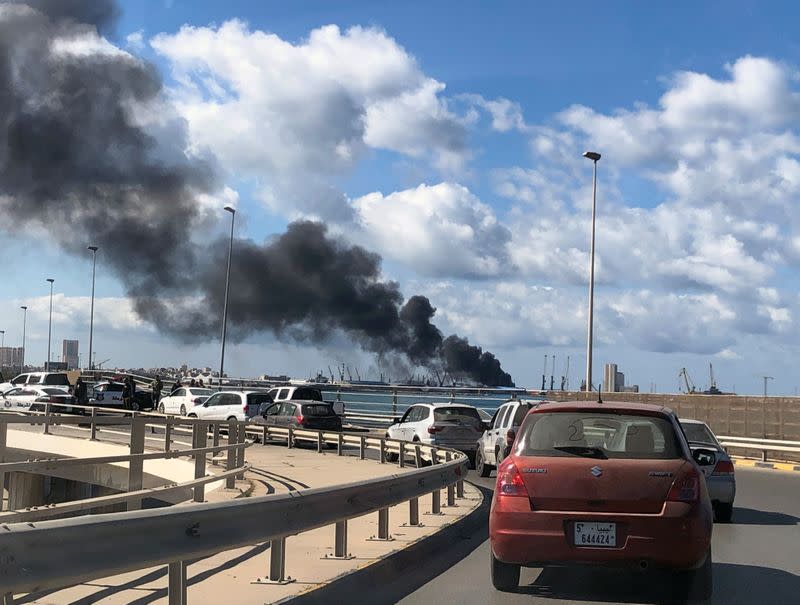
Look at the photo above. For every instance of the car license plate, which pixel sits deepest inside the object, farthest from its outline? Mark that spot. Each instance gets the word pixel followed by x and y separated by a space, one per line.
pixel 596 534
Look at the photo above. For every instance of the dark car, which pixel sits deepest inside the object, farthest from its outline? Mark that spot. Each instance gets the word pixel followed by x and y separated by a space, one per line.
pixel 316 415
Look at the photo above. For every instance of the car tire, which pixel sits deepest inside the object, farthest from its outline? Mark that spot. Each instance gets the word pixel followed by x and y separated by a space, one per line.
pixel 192 415
pixel 695 584
pixel 391 456
pixel 505 576
pixel 723 512
pixel 183 410
pixel 234 418
pixel 135 406
pixel 481 467
pixel 160 408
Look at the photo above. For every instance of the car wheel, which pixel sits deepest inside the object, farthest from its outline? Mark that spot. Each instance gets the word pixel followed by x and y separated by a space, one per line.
pixel 229 418
pixel 505 576
pixel 192 415
pixel 695 584
pixel 135 406
pixel 160 408
pixel 183 410
pixel 481 467
pixel 723 512
pixel 391 456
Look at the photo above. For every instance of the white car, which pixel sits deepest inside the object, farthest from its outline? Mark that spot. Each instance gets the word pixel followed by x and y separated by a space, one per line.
pixel 303 393
pixel 182 400
pixel 453 425
pixel 21 397
pixel 230 405
pixel 495 443
pixel 38 379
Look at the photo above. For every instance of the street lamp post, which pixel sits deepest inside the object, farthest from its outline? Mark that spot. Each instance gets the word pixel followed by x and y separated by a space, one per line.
pixel 91 312
pixel 594 156
pixel 24 324
pixel 232 210
pixel 49 325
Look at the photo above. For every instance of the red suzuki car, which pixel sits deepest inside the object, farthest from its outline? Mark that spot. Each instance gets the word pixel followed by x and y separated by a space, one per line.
pixel 611 484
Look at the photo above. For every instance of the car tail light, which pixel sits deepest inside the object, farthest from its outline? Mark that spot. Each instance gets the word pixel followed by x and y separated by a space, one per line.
pixel 511 434
pixel 434 429
pixel 685 489
pixel 724 467
pixel 300 420
pixel 509 481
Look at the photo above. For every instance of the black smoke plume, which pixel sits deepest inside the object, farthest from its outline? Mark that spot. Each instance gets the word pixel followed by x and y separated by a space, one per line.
pixel 77 158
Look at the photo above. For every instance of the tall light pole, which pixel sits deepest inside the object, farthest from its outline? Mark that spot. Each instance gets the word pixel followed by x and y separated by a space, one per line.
pixel 232 210
pixel 24 323
pixel 49 325
pixel 3 342
pixel 91 311
pixel 594 156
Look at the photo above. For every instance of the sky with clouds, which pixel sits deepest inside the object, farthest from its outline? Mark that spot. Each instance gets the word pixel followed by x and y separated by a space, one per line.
pixel 447 137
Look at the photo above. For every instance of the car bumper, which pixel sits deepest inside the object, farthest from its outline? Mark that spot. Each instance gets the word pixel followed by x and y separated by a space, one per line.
pixel 721 489
pixel 677 538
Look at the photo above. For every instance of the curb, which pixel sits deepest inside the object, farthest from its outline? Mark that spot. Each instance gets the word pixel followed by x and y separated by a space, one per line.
pixel 778 466
pixel 397 575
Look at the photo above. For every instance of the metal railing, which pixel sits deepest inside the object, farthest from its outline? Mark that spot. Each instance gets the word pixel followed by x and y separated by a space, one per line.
pixel 32 554
pixel 762 445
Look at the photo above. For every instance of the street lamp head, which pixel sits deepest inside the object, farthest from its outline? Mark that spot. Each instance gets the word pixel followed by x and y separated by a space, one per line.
pixel 592 155
pixel 92 248
pixel 50 279
pixel 24 308
pixel 230 208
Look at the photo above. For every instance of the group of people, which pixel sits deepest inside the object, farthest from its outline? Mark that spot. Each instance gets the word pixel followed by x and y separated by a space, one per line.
pixel 157 386
pixel 81 393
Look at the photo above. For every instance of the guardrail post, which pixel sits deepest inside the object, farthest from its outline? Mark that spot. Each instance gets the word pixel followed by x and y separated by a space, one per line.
pixel 264 436
pixel 216 443
pixel 402 456
pixel 460 489
pixel 177 583
pixel 383 527
pixel 3 436
pixel 434 456
pixel 241 426
pixel 436 503
pixel 136 465
pixel 93 425
pixel 277 564
pixel 340 542
pixel 383 451
pixel 199 439
pixel 46 418
pixel 167 434
pixel 290 438
pixel 340 445
pixel 362 448
pixel 417 456
pixel 319 442
pixel 413 514
pixel 451 489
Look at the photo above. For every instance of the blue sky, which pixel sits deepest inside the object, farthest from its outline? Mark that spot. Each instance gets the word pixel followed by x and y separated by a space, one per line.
pixel 583 74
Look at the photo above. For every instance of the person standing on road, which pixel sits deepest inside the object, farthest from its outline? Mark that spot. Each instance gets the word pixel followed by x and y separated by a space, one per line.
pixel 192 383
pixel 80 392
pixel 127 393
pixel 176 386
pixel 156 386
pixel 200 383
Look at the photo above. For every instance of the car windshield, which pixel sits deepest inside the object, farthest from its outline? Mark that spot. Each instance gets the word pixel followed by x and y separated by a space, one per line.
pixel 457 414
pixel 317 409
pixel 698 433
pixel 307 394
pixel 595 434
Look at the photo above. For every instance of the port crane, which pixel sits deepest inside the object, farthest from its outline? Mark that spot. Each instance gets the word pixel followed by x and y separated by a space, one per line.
pixel 690 388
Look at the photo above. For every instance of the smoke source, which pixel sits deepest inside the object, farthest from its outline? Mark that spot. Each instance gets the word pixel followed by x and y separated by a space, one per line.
pixel 77 157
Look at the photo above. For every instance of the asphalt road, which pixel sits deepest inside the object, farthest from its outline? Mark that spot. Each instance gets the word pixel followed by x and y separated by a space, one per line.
pixel 756 560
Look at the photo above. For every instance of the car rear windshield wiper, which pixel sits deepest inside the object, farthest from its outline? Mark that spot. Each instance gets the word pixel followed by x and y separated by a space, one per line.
pixel 582 450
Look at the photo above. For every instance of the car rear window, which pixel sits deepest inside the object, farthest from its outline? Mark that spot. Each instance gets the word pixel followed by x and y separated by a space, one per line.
pixel 55 391
pixel 56 379
pixel 306 394
pixel 316 409
pixel 599 434
pixel 698 433
pixel 464 414
pixel 258 398
pixel 206 392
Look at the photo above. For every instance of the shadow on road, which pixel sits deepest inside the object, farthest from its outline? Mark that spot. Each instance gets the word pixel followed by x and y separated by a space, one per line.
pixel 750 516
pixel 733 585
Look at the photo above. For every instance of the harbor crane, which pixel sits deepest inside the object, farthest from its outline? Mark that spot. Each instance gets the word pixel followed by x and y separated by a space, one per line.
pixel 690 388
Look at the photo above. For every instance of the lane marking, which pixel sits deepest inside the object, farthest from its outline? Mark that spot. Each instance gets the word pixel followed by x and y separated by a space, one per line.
pixel 778 466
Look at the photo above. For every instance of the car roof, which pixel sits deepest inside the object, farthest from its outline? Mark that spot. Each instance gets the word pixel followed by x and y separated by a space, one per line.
pixel 443 404
pixel 691 421
pixel 623 406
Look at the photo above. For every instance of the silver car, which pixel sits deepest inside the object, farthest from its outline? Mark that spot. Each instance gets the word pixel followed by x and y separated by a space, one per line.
pixel 720 476
pixel 454 425
pixel 495 443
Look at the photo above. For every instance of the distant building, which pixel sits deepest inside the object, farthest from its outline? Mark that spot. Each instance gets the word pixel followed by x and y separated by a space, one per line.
pixel 10 357
pixel 69 354
pixel 614 381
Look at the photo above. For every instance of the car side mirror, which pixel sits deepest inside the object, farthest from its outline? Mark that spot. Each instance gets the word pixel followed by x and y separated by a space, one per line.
pixel 397 420
pixel 704 457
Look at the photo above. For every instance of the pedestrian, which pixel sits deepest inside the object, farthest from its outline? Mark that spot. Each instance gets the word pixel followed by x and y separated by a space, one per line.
pixel 127 393
pixel 80 392
pixel 156 386
pixel 192 383
pixel 200 384
pixel 176 386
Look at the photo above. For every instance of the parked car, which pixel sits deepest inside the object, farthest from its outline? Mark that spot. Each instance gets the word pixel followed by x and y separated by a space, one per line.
pixel 183 399
pixel 495 443
pixel 318 416
pixel 303 393
pixel 61 402
pixel 108 394
pixel 452 425
pixel 720 477
pixel 612 484
pixel 230 405
pixel 23 397
pixel 38 379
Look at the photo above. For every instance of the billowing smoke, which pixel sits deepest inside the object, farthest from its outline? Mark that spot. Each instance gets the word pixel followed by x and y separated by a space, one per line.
pixel 88 150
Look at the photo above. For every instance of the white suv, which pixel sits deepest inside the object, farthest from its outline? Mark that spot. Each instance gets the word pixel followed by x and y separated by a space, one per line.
pixel 58 380
pixel 230 405
pixel 295 394
pixel 495 443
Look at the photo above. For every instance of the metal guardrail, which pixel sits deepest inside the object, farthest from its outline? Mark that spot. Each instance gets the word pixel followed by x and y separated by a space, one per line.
pixel 32 554
pixel 762 445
